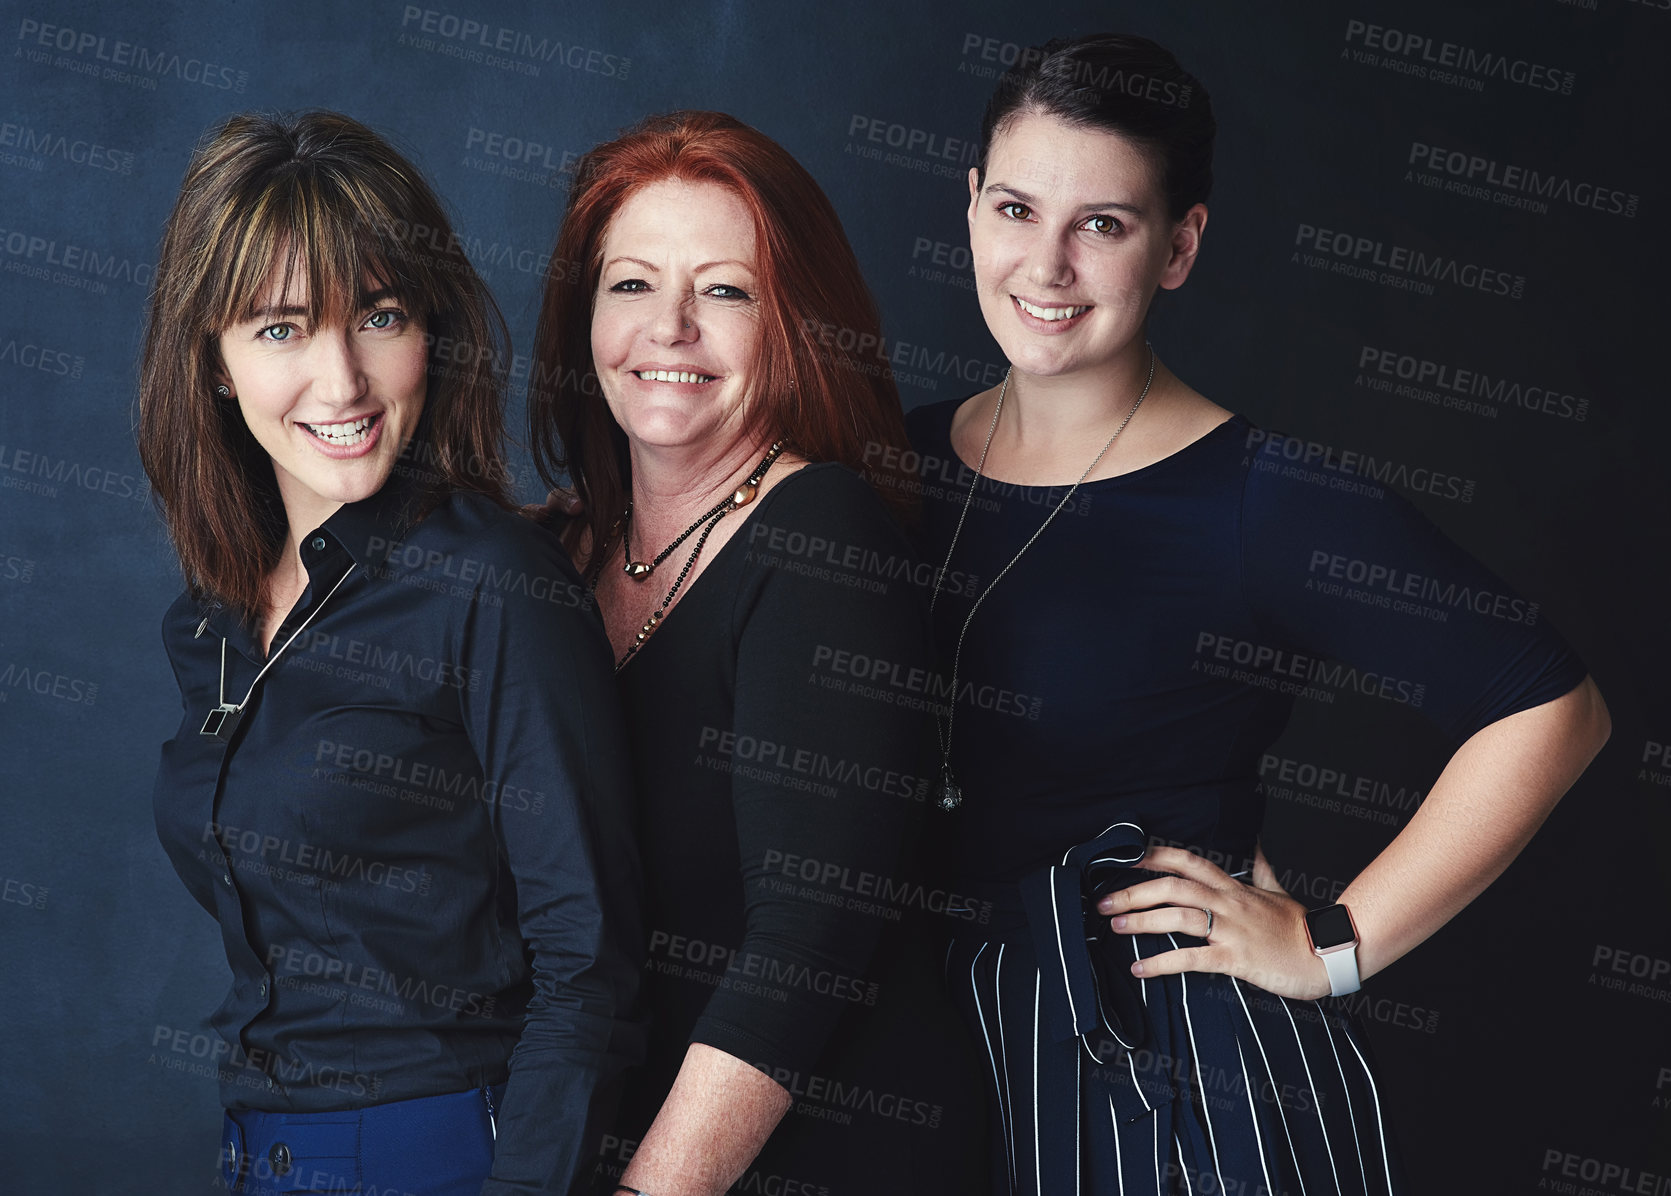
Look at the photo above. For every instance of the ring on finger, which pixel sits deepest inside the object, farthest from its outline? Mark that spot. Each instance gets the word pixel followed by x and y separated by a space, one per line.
pixel 1208 932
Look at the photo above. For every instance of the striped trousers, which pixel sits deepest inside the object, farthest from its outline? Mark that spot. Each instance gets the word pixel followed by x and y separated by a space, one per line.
pixel 1225 1088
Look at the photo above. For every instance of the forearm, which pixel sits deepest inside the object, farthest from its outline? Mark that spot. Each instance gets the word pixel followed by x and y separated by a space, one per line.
pixel 712 1124
pixel 1482 811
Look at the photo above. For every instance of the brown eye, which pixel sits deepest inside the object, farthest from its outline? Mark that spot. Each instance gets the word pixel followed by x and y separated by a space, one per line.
pixel 1015 211
pixel 1106 225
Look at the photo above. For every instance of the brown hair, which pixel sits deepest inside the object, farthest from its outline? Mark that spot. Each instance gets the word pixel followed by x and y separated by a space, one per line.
pixel 321 195
pixel 811 383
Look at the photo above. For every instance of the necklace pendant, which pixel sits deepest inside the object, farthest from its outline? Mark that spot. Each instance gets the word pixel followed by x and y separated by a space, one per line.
pixel 223 720
pixel 637 570
pixel 948 795
pixel 744 494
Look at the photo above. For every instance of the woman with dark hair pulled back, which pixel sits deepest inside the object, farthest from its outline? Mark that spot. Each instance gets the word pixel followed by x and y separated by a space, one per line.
pixel 1153 1009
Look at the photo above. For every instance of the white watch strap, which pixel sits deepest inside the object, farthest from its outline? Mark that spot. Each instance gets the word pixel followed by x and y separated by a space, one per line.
pixel 1343 970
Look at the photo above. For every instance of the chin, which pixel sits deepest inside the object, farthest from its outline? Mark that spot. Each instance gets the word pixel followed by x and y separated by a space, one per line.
pixel 1040 361
pixel 671 429
pixel 355 487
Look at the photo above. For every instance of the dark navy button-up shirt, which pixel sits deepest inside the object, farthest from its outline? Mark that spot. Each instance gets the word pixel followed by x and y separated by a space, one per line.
pixel 417 839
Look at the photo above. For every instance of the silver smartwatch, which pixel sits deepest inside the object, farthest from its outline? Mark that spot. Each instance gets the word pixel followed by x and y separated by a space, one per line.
pixel 1334 940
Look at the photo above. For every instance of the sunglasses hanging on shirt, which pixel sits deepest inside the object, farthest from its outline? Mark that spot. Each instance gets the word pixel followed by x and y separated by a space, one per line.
pixel 223 720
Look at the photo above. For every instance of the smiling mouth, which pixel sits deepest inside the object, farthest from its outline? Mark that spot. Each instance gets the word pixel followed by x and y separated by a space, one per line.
pixel 1050 313
pixel 346 434
pixel 673 376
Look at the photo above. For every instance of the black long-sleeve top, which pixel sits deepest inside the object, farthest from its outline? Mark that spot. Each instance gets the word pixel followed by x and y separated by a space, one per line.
pixel 417 841
pixel 781 738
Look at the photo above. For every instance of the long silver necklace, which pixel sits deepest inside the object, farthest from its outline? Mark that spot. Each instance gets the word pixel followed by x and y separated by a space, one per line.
pixel 223 720
pixel 949 795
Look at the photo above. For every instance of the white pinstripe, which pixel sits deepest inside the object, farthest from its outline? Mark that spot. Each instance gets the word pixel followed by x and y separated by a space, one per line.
pixel 1183 1167
pixel 1386 1162
pixel 1154 1123
pixel 1119 1167
pixel 1253 1116
pixel 1351 1115
pixel 1061 952
pixel 1078 1123
pixel 1001 1082
pixel 1004 1059
pixel 1287 1133
pixel 1195 1057
pixel 1129 1064
pixel 1306 1063
pixel 1038 1180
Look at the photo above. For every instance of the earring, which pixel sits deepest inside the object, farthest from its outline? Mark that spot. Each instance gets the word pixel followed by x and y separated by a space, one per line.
pixel 223 391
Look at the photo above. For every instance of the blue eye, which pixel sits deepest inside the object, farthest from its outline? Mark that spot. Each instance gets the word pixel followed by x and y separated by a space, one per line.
pixel 277 333
pixel 732 292
pixel 388 317
pixel 630 286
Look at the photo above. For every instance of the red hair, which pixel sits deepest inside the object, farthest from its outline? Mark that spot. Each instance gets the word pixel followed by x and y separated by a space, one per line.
pixel 829 402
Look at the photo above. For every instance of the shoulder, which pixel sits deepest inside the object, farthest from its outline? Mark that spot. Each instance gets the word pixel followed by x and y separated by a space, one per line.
pixel 1288 473
pixel 470 547
pixel 828 498
pixel 1305 499
pixel 182 619
pixel 822 552
pixel 475 525
pixel 931 423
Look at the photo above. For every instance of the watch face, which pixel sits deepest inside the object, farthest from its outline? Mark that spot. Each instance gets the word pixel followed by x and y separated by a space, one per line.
pixel 1330 926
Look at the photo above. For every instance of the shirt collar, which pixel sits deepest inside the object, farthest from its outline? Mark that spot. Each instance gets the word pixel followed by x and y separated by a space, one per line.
pixel 369 530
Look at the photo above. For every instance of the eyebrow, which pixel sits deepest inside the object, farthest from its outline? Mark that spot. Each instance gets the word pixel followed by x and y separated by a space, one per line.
pixel 638 261
pixel 291 311
pixel 1023 197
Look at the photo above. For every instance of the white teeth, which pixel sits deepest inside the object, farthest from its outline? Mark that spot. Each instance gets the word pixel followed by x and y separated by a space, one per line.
pixel 1051 313
pixel 345 435
pixel 672 376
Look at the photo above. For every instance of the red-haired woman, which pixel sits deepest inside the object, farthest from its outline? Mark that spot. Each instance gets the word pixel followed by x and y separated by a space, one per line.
pixel 399 781
pixel 699 334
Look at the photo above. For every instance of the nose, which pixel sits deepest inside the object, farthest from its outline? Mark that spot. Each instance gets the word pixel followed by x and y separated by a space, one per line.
pixel 339 376
pixel 672 324
pixel 1049 264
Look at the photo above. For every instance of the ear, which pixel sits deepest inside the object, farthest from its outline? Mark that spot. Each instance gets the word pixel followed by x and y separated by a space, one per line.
pixel 218 375
pixel 974 193
pixel 1185 247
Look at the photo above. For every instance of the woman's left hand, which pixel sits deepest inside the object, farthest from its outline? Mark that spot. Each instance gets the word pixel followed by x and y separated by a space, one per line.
pixel 1257 934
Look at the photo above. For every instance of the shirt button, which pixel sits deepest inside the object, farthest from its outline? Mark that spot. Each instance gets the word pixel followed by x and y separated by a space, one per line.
pixel 318 545
pixel 226 878
pixel 263 989
pixel 279 1157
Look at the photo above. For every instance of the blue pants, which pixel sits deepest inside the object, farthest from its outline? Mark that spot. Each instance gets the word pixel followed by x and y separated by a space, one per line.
pixel 431 1146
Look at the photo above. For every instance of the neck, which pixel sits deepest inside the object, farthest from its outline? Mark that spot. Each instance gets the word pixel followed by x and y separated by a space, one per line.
pixel 671 487
pixel 1044 410
pixel 303 512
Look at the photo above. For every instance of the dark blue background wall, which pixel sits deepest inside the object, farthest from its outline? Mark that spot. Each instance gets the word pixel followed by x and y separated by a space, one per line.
pixel 1525 1047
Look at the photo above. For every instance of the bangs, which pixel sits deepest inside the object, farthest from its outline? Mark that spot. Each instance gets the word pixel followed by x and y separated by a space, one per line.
pixel 315 244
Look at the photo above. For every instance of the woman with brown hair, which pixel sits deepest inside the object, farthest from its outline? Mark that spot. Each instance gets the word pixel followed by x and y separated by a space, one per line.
pixel 399 781
pixel 768 619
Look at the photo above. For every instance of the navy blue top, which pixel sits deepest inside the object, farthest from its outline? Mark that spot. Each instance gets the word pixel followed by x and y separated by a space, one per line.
pixel 417 841
pixel 1147 649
